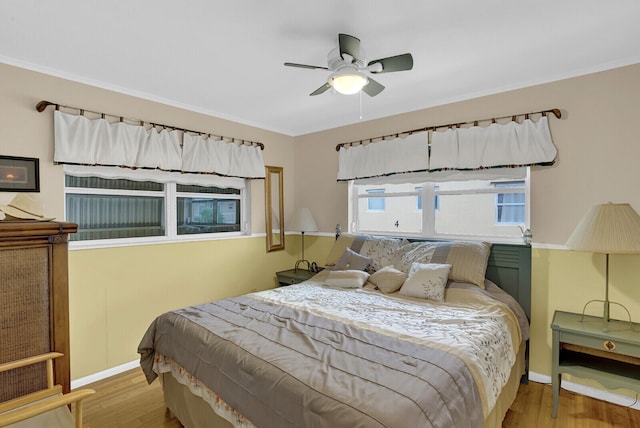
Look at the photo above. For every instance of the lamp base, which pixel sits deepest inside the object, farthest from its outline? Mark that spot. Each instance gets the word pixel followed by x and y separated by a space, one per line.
pixel 605 314
pixel 299 262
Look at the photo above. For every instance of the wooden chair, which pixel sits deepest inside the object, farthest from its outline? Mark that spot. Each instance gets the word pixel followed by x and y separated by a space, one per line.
pixel 49 404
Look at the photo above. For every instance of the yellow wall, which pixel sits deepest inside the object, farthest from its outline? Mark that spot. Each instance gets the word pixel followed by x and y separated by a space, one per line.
pixel 116 292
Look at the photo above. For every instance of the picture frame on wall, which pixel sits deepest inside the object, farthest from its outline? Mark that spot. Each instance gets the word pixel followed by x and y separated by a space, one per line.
pixel 18 174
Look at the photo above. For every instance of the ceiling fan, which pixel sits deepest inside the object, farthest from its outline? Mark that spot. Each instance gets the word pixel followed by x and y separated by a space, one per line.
pixel 350 72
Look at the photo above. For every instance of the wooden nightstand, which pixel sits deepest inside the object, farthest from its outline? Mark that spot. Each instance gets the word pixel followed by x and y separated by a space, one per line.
pixel 293 276
pixel 582 349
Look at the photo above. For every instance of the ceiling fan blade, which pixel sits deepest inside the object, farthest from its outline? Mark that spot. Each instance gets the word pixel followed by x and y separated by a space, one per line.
pixel 349 45
pixel 372 88
pixel 312 67
pixel 393 63
pixel 321 89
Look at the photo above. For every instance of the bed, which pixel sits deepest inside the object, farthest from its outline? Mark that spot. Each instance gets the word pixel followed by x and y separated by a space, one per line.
pixel 358 345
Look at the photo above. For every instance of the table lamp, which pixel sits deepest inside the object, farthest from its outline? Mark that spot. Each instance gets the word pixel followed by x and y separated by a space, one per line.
pixel 303 222
pixel 609 229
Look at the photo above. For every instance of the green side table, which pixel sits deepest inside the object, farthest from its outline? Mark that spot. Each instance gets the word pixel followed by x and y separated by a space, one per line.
pixel 581 348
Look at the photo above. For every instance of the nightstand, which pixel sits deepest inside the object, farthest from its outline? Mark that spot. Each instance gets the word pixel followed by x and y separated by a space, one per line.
pixel 293 276
pixel 581 348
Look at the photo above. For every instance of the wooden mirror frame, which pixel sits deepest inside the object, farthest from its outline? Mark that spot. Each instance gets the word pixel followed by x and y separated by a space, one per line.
pixel 274 207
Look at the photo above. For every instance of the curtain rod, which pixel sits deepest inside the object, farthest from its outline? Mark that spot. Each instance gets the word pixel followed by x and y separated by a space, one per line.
pixel 42 105
pixel 556 112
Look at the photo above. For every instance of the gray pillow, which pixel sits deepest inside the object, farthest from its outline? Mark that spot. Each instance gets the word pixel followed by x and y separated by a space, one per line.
pixel 350 260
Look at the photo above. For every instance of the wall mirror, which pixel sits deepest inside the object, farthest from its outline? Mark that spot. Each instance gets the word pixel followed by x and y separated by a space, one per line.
pixel 274 208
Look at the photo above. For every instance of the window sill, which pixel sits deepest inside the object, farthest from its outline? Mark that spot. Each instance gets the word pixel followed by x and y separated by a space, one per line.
pixel 156 240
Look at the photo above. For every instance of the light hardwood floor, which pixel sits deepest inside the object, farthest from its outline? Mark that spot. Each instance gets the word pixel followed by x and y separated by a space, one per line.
pixel 126 400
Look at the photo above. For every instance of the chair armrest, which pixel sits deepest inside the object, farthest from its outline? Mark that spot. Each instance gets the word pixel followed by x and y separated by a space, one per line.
pixel 40 407
pixel 31 398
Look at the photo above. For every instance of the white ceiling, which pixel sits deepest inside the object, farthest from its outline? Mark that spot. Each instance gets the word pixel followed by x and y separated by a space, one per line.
pixel 225 58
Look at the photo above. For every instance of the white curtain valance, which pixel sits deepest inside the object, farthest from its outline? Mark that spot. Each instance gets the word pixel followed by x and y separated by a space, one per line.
pixel 509 145
pixel 385 157
pixel 83 141
pixel 218 157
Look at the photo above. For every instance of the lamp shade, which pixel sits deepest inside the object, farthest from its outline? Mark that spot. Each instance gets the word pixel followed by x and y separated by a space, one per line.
pixel 303 221
pixel 607 228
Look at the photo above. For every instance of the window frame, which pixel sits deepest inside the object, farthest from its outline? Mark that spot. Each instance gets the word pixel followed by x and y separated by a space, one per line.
pixel 214 197
pixel 170 195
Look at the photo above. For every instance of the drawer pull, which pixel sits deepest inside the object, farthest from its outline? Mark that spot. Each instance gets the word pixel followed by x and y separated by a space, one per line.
pixel 609 345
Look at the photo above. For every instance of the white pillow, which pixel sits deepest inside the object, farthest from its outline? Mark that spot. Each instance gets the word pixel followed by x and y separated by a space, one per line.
pixel 426 281
pixel 388 279
pixel 347 278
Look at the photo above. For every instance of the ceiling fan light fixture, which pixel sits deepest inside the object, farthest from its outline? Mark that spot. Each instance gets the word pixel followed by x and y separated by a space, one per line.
pixel 348 82
pixel 350 69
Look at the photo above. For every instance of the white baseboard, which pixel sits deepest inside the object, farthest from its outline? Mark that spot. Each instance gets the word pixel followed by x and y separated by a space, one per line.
pixel 79 383
pixel 589 391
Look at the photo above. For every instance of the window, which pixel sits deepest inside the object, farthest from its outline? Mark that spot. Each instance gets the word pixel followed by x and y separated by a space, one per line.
pixel 510 206
pixel 107 209
pixel 491 209
pixel 375 204
pixel 207 210
pixel 396 213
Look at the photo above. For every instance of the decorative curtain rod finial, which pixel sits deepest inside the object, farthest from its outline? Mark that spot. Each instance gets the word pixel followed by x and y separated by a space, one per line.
pixel 42 105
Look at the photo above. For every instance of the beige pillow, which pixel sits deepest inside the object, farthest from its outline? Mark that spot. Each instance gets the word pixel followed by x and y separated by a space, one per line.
pixel 420 252
pixel 388 279
pixel 343 242
pixel 426 281
pixel 468 260
pixel 381 250
pixel 347 278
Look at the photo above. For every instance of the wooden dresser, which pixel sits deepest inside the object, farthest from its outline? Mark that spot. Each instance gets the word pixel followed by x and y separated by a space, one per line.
pixel 34 302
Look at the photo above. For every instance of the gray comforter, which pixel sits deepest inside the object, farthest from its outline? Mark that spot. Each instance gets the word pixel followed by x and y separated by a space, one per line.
pixel 285 367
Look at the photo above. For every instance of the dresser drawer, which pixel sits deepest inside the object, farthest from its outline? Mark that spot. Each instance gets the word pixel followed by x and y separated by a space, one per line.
pixel 288 281
pixel 610 345
pixel 293 276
